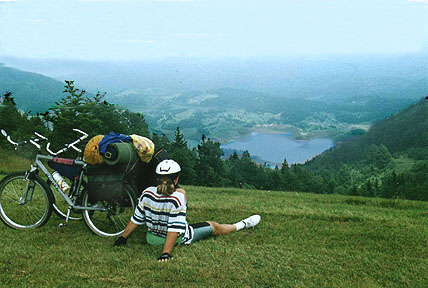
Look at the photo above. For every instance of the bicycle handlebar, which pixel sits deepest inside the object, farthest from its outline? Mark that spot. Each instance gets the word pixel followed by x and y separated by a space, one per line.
pixel 35 141
pixel 32 140
pixel 67 146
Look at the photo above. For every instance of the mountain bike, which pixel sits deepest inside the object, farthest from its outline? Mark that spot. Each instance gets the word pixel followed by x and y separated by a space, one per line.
pixel 27 200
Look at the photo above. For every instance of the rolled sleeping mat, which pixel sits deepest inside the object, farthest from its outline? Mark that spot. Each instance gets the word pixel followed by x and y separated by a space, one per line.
pixel 120 153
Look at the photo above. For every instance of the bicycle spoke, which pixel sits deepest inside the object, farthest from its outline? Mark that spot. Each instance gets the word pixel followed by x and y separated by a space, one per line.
pixel 30 213
pixel 12 198
pixel 123 220
pixel 115 223
pixel 35 210
pixel 13 190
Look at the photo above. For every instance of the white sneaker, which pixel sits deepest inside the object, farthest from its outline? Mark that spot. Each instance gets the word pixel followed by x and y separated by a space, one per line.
pixel 252 221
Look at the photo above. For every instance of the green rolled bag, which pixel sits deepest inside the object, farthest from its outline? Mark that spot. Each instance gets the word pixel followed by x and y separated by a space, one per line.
pixel 120 153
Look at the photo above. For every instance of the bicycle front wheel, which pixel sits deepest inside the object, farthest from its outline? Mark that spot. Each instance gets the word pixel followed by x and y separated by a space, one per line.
pixel 24 203
pixel 116 215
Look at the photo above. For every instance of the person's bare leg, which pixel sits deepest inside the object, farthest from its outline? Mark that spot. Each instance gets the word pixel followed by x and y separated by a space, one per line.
pixel 222 229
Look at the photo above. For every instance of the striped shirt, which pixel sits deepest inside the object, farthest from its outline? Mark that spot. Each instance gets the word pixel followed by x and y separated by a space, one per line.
pixel 163 214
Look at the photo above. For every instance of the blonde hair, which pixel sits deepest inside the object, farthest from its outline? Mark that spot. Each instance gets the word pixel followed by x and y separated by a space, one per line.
pixel 166 186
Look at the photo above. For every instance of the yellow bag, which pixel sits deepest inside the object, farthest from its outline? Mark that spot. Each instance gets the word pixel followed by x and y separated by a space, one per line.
pixel 144 147
pixel 92 154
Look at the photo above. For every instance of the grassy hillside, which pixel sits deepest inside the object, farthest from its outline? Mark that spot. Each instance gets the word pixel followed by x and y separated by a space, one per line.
pixel 303 240
pixel 10 162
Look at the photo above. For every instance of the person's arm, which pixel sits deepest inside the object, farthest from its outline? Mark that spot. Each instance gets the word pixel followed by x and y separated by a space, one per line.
pixel 171 238
pixel 129 229
pixel 137 219
pixel 124 237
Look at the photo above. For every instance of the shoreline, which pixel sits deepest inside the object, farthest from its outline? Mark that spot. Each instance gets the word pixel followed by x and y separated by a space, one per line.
pixel 279 129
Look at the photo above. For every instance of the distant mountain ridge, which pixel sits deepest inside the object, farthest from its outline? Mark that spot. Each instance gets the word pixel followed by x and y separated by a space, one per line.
pixel 330 78
pixel 32 92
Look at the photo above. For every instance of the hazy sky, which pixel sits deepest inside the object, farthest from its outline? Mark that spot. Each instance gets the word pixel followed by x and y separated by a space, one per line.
pixel 147 29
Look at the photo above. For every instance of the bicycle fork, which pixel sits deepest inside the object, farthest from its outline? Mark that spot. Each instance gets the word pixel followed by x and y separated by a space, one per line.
pixel 29 187
pixel 28 193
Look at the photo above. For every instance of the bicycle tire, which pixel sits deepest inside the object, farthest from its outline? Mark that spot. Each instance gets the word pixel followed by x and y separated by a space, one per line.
pixel 29 214
pixel 112 222
pixel 60 206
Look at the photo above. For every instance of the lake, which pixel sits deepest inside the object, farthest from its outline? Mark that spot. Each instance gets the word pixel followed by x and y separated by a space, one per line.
pixel 274 147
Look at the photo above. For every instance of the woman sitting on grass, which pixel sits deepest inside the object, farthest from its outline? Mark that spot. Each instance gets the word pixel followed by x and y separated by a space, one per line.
pixel 163 210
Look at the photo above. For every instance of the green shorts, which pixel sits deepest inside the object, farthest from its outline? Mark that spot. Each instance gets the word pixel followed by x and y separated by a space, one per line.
pixel 156 240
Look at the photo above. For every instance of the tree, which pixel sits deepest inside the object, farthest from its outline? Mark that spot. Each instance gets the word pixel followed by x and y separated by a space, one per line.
pixel 209 167
pixel 249 171
pixel 179 141
pixel 184 156
pixel 390 185
pixel 378 155
pixel 10 118
pixel 284 166
pixel 161 141
pixel 233 171
pixel 92 115
pixel 16 123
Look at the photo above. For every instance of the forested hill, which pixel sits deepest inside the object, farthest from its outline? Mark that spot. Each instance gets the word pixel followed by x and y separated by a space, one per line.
pixel 395 149
pixel 32 92
pixel 404 131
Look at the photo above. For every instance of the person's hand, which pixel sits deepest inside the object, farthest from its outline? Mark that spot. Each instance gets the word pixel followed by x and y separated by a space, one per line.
pixel 120 241
pixel 165 257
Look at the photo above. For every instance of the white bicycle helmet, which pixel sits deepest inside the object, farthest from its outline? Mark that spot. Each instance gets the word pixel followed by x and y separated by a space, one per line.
pixel 168 167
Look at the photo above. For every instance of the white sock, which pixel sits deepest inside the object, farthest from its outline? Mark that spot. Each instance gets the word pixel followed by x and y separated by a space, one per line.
pixel 239 225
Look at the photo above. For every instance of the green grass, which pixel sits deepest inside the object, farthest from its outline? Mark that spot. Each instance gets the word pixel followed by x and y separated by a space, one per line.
pixel 303 240
pixel 10 162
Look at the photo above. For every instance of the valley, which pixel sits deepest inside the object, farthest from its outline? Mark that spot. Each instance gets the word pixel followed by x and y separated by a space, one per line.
pixel 228 114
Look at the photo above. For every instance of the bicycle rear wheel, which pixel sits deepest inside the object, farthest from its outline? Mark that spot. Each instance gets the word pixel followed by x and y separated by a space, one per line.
pixel 25 203
pixel 113 220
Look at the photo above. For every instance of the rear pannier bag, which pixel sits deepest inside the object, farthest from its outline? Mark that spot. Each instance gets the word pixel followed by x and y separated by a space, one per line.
pixel 106 183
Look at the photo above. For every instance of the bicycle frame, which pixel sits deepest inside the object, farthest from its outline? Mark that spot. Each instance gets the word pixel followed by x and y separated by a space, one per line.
pixel 38 164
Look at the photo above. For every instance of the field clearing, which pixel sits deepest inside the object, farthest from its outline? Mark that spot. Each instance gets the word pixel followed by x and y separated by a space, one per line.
pixel 402 164
pixel 10 162
pixel 303 240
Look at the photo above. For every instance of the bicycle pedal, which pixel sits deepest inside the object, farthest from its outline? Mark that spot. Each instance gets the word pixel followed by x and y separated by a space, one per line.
pixel 61 225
